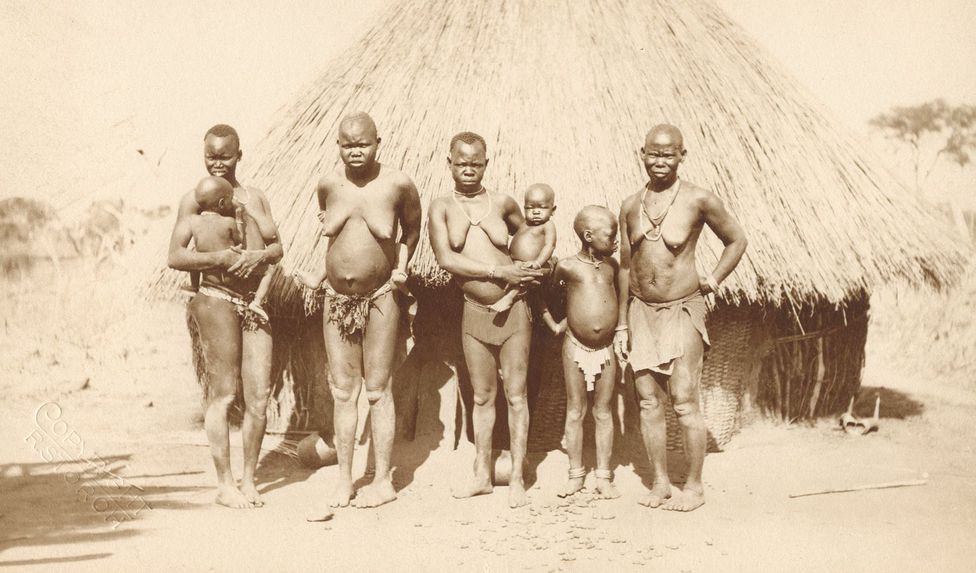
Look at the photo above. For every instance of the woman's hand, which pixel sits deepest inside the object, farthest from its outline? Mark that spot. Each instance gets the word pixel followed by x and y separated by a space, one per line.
pixel 517 274
pixel 246 263
pixel 621 345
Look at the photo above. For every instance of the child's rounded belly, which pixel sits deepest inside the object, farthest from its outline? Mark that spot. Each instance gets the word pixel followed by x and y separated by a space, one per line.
pixel 526 246
pixel 592 316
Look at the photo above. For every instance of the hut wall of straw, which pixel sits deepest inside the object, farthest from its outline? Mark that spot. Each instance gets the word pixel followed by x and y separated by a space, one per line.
pixel 763 360
pixel 812 360
pixel 563 91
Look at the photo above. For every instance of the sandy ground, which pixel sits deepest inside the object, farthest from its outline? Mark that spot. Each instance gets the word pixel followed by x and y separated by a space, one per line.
pixel 136 414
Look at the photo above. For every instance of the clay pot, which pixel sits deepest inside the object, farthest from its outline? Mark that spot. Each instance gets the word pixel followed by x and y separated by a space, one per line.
pixel 501 466
pixel 315 452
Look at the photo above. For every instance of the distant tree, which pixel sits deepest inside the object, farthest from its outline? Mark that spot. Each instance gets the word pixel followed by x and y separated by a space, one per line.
pixel 23 225
pixel 933 127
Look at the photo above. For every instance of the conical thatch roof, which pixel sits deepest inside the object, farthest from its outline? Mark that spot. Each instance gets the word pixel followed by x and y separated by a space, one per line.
pixel 564 90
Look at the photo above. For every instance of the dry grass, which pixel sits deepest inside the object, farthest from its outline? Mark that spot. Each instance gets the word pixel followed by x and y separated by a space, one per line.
pixel 927 335
pixel 61 330
pixel 563 92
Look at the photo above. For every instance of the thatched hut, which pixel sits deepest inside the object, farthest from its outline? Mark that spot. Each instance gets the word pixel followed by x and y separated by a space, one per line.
pixel 563 91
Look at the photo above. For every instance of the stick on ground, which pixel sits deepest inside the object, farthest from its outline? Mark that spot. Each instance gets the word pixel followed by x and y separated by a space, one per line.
pixel 886 485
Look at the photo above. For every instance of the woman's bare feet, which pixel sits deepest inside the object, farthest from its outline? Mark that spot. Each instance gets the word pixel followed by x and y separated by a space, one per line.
pixel 342 494
pixel 605 489
pixel 479 485
pixel 230 496
pixel 251 493
pixel 376 494
pixel 686 500
pixel 575 482
pixel 516 494
pixel 657 495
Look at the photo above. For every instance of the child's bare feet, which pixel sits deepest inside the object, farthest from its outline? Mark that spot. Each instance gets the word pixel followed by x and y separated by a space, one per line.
pixel 687 500
pixel 399 279
pixel 307 279
pixel 516 494
pixel 658 494
pixel 255 307
pixel 230 496
pixel 504 303
pixel 575 483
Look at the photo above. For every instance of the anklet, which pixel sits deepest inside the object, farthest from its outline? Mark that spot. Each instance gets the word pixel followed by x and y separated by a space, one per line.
pixel 577 473
pixel 603 474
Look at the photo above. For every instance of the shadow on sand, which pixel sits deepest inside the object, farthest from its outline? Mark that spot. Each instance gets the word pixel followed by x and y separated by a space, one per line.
pixel 894 404
pixel 78 501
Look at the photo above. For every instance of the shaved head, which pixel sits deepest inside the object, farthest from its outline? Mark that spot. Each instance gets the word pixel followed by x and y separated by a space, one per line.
pixel 358 122
pixel 540 192
pixel 358 143
pixel 468 137
pixel 664 135
pixel 591 218
pixel 210 190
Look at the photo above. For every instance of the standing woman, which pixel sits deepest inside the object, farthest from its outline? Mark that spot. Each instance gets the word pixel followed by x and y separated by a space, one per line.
pixel 236 344
pixel 364 206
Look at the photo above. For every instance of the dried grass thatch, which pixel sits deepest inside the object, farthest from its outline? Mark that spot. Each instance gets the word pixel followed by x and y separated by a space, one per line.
pixel 564 90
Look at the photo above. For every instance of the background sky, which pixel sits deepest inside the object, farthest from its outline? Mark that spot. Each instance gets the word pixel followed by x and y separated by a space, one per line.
pixel 86 84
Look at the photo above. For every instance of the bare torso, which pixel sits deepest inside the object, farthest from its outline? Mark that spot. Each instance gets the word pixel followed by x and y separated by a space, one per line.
pixel 486 241
pixel 528 242
pixel 361 223
pixel 591 299
pixel 665 270
pixel 212 233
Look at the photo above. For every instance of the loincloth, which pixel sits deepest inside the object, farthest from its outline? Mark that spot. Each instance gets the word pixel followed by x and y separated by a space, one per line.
pixel 589 360
pixel 350 313
pixel 656 331
pixel 492 327
pixel 250 320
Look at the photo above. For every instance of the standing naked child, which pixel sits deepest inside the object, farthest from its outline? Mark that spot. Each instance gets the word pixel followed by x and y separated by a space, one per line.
pixel 591 312
pixel 533 243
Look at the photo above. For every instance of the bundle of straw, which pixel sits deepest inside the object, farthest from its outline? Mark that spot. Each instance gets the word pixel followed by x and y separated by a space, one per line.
pixel 563 91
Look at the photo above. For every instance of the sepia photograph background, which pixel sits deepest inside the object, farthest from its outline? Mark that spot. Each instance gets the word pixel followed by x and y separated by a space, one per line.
pixel 103 107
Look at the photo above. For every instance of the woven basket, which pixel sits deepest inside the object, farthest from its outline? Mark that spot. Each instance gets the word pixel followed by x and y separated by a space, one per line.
pixel 547 392
pixel 727 364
